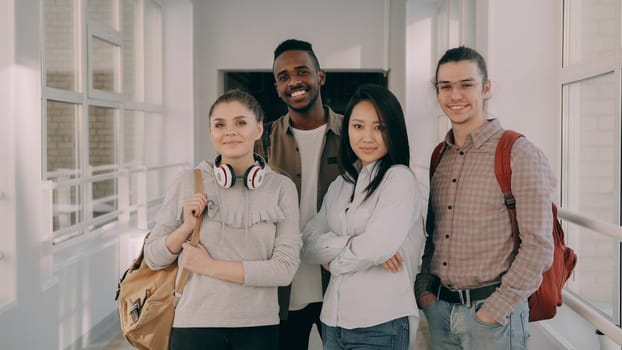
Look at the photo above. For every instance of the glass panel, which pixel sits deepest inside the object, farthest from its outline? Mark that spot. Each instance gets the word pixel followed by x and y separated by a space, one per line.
pixel 132 138
pixel 134 183
pixel 155 187
pixel 63 153
pixel 594 275
pixel 60 44
pixel 131 78
pixel 153 52
pixel 104 197
pixel 154 140
pixel 597 128
pixel 66 207
pixel 103 60
pixel 102 12
pixel 102 139
pixel 594 29
pixel 593 183
pixel 172 174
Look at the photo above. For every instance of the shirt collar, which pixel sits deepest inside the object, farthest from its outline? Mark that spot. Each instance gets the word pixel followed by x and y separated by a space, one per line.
pixel 333 122
pixel 368 171
pixel 478 136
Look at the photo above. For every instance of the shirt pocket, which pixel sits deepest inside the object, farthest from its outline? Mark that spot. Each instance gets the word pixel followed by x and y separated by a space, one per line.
pixel 356 219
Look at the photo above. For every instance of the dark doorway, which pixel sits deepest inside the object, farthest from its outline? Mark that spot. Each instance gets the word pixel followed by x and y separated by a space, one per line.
pixel 336 92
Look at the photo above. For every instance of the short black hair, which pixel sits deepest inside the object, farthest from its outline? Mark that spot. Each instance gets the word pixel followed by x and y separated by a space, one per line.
pixel 296 45
pixel 462 53
pixel 395 135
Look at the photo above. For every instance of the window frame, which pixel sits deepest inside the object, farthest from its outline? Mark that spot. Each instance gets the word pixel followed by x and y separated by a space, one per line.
pixel 85 97
pixel 572 73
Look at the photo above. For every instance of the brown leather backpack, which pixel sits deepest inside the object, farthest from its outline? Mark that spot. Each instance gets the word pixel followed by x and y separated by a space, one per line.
pixel 147 298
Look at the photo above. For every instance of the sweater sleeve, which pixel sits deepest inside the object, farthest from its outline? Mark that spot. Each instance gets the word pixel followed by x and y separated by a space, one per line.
pixel 280 268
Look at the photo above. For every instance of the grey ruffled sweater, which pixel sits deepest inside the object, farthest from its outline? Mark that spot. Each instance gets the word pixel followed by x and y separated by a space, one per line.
pixel 258 227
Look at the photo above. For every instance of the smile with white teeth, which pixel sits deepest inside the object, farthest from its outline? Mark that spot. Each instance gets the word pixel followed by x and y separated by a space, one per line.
pixel 298 93
pixel 457 107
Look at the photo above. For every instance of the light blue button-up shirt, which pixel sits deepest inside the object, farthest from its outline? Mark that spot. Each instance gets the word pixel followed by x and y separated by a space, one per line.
pixel 361 292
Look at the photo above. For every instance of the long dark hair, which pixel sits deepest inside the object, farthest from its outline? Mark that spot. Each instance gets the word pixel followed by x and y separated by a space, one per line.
pixel 395 136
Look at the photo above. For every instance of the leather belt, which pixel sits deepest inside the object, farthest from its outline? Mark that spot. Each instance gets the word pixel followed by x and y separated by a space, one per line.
pixel 466 296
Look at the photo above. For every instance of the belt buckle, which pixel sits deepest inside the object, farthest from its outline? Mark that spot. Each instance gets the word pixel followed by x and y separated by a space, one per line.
pixel 465 299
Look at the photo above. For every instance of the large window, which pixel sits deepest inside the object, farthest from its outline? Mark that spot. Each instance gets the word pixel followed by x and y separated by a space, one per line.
pixel 591 78
pixel 103 113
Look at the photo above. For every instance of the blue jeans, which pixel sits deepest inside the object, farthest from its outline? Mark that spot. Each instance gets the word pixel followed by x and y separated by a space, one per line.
pixel 392 335
pixel 455 326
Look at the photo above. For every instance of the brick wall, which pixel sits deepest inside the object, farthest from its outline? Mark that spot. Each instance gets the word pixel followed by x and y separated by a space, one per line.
pixel 59 44
pixel 600 24
pixel 61 136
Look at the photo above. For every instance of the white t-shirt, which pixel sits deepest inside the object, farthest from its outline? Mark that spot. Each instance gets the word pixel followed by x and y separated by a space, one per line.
pixel 307 284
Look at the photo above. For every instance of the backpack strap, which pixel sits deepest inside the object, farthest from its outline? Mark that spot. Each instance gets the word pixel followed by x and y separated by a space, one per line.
pixel 437 154
pixel 503 172
pixel 196 234
pixel 435 159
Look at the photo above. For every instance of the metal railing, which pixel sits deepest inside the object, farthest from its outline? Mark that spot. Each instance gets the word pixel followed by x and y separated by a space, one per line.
pixel 63 207
pixel 578 305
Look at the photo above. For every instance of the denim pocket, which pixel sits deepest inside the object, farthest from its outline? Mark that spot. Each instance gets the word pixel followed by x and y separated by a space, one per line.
pixel 474 310
pixel 401 333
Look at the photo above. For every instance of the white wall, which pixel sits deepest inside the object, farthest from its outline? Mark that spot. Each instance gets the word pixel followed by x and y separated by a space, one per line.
pixel 30 309
pixel 7 153
pixel 524 57
pixel 421 106
pixel 178 78
pixel 239 34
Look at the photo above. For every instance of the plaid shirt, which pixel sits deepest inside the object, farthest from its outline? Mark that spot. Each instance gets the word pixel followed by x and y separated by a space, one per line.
pixel 472 240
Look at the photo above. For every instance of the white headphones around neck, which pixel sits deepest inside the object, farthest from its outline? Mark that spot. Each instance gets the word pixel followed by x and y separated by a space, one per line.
pixel 253 176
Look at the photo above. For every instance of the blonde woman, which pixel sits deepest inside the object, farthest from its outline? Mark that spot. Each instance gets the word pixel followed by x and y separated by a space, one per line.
pixel 250 238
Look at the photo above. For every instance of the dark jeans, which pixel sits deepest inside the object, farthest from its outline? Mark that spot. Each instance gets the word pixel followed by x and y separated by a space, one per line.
pixel 294 332
pixel 243 338
pixel 392 335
